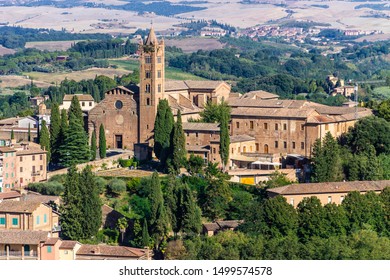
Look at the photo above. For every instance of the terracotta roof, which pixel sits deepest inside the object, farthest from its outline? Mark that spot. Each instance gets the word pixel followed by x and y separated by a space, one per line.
pixel 80 97
pixel 29 237
pixel 30 152
pixel 259 94
pixel 9 195
pixel 6 150
pixel 197 126
pixel 40 198
pixel 211 226
pixel 272 112
pixel 331 187
pixel 68 244
pixel 197 148
pixel 242 102
pixel 229 224
pixel 110 251
pixel 9 121
pixel 241 138
pixel 19 206
pixel 203 84
pixel 110 217
pixel 171 85
pixel 51 241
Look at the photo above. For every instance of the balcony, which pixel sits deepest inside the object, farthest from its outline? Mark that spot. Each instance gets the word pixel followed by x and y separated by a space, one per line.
pixel 17 255
pixel 36 173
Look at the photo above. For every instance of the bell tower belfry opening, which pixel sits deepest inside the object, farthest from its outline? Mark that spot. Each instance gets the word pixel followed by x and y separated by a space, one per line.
pixel 151 89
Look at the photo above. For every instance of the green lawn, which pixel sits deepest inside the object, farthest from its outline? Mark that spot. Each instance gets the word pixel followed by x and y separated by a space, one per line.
pixel 171 73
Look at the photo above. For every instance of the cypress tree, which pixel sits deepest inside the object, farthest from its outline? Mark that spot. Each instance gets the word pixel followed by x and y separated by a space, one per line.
pixel 55 127
pixel 145 234
pixel 44 139
pixel 93 145
pixel 12 134
pixel 29 133
pixel 188 214
pixel 71 208
pixel 102 142
pixel 91 210
pixel 158 220
pixel 163 127
pixel 75 148
pixel 178 144
pixel 224 137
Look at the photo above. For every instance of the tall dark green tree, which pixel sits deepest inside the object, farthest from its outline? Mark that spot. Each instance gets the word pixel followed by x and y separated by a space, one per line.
pixel 55 128
pixel 188 214
pixel 71 209
pixel 178 145
pixel 158 222
pixel 75 148
pixel 91 210
pixel 12 134
pixel 102 141
pixel 326 162
pixel 163 127
pixel 145 234
pixel 44 139
pixel 29 133
pixel 93 145
pixel 224 136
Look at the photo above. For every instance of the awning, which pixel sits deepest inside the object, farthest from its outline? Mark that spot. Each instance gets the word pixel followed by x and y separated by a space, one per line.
pixel 265 163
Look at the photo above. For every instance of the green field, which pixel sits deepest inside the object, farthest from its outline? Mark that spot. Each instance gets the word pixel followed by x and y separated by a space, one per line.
pixel 171 73
pixel 382 91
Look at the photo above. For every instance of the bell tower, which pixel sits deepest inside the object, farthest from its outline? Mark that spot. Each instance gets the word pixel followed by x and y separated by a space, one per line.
pixel 151 88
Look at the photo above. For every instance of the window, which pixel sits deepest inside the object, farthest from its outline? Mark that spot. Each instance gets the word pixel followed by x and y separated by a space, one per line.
pixel 266 126
pixel 293 145
pixel 21 159
pixel 49 249
pixel 12 175
pixel 2 221
pixel 196 134
pixel 237 125
pixel 33 158
pixel 285 144
pixel 38 220
pixel 21 169
pixel 12 164
pixel 284 126
pixel 41 167
pixel 257 147
pixel 148 59
pixel 83 104
pixel 329 199
pixel 276 126
pixel 214 151
pixel 327 127
pixel 147 88
pixel 45 218
pixel 21 180
pixel 232 150
pixel 90 104
pixel 6 165
pixel 302 145
pixel 147 101
pixel 276 144
pixel 251 125
pixel 147 126
pixel 302 127
pixel 159 59
pixel 159 88
pixel 15 221
pixel 33 169
pixel 159 74
pixel 147 74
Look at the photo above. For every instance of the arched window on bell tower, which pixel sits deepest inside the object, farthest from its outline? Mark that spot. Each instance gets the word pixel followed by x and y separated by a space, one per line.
pixel 147 88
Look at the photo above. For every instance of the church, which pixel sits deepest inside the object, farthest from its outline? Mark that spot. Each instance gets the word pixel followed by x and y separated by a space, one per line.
pixel 128 115
pixel 264 130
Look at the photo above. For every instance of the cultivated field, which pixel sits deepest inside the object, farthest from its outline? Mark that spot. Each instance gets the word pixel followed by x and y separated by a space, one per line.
pixel 189 45
pixel 124 172
pixel 51 45
pixel 4 51
pixel 13 81
pixel 53 78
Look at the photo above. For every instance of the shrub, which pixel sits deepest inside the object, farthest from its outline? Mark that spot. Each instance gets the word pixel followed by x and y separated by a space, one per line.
pixel 48 188
pixel 125 162
pixel 116 186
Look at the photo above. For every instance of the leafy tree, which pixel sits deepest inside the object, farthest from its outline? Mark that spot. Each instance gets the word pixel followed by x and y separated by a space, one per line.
pixel 91 210
pixel 385 197
pixel 369 131
pixel 163 127
pixel 276 179
pixel 195 164
pixel 178 145
pixel 384 109
pixel 122 225
pixel 44 139
pixel 71 209
pixel 116 186
pixel 311 217
pixel 102 142
pixel 93 145
pixel 336 220
pixel 55 129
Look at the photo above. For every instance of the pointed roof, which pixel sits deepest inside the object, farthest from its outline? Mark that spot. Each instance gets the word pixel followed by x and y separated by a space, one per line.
pixel 152 39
